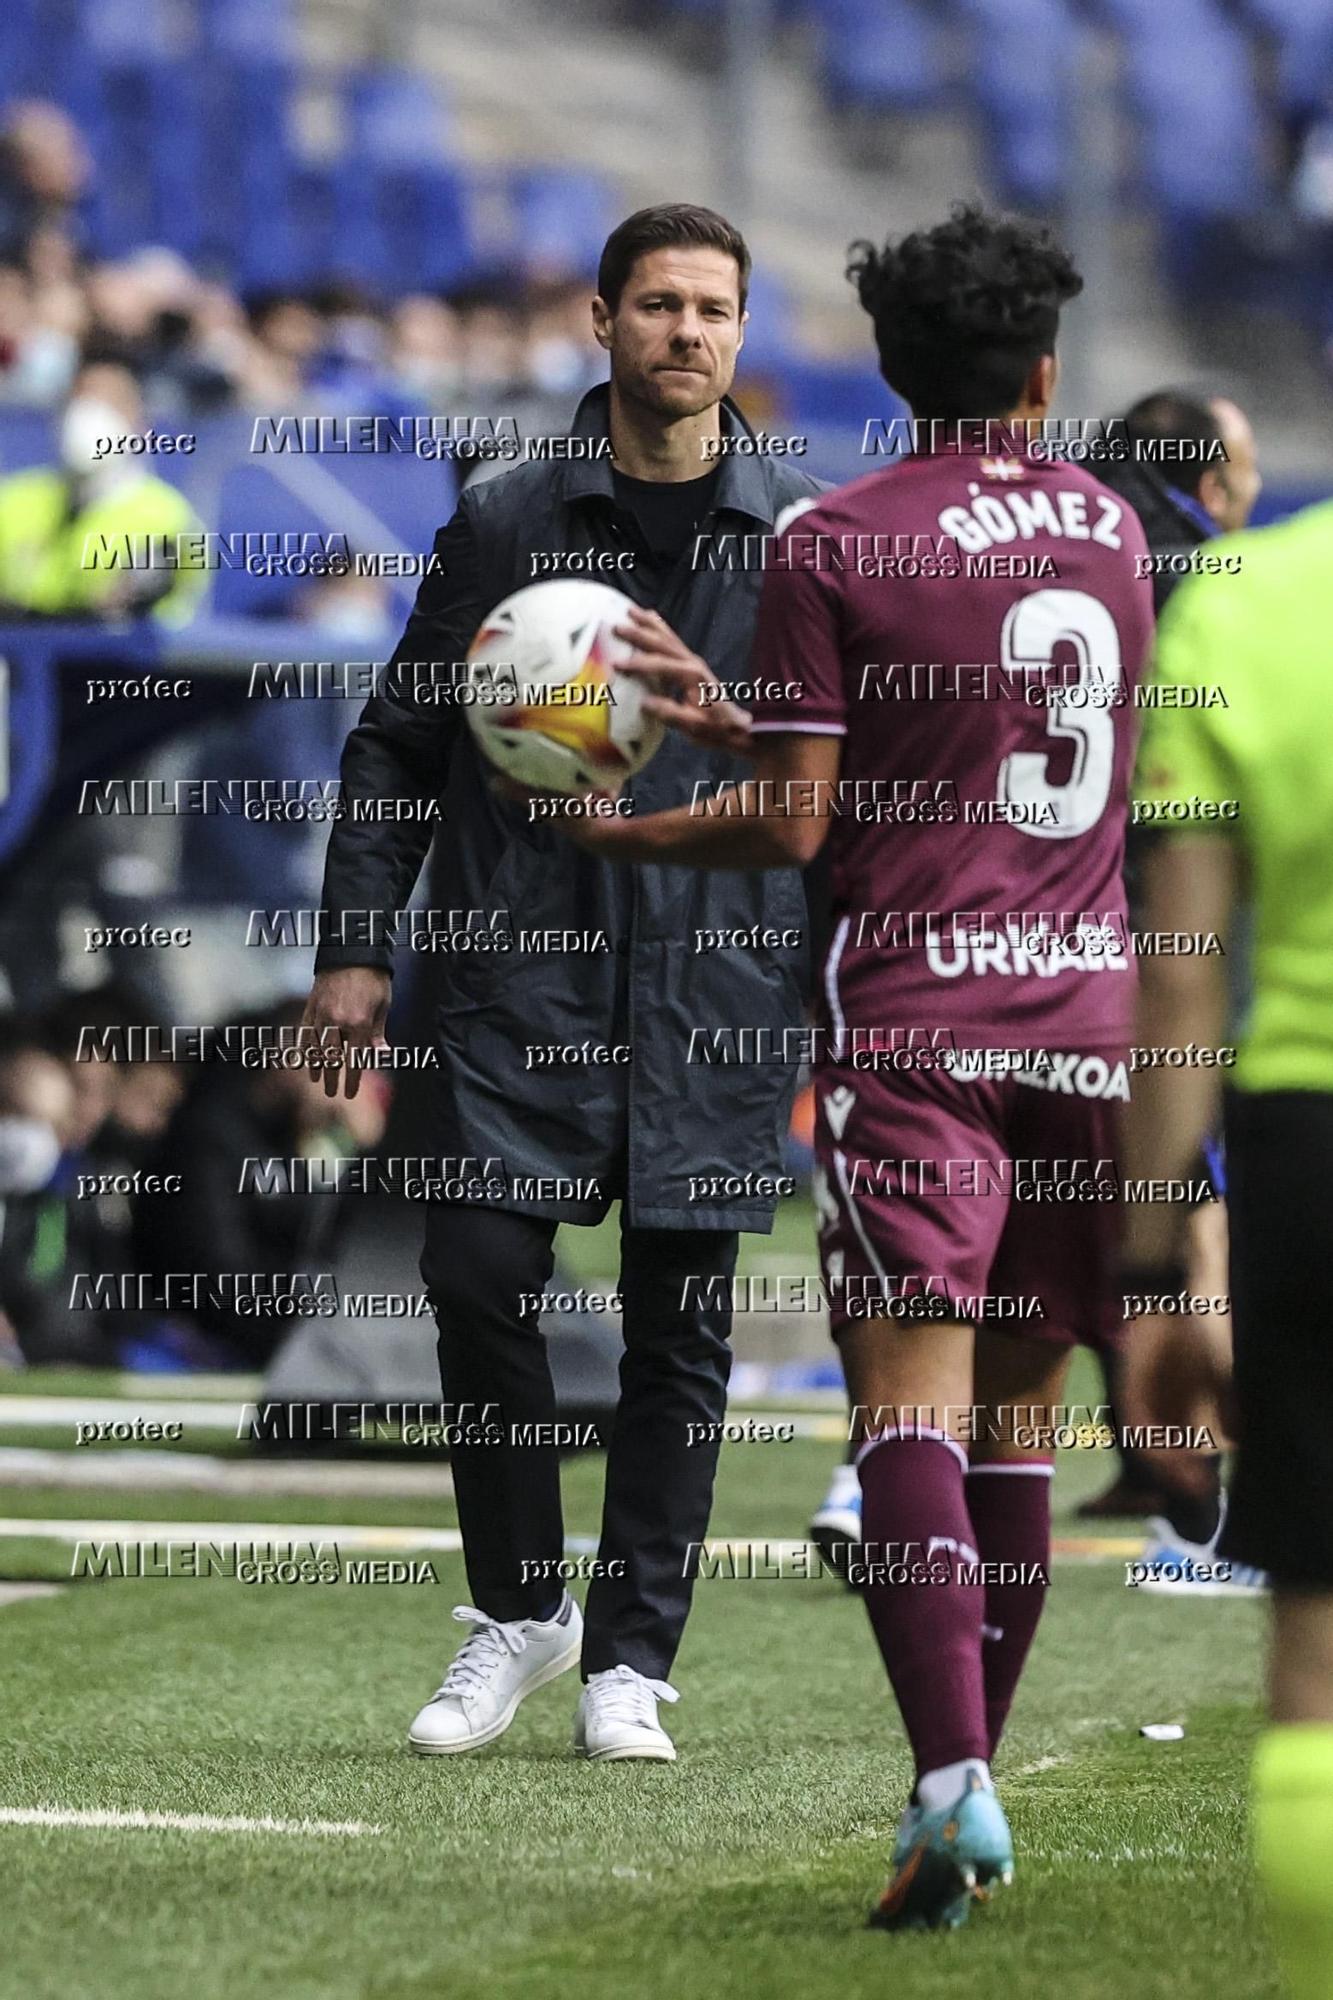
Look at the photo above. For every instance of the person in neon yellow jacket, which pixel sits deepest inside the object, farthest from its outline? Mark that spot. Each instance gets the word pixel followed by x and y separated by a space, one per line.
pixel 55 519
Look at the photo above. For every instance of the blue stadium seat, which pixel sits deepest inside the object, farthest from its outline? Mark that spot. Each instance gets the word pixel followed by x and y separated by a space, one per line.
pixel 1019 58
pixel 1201 159
pixel 247 27
pixel 21 44
pixel 1191 84
pixel 399 227
pixel 27 438
pixel 252 165
pixel 1128 16
pixel 179 163
pixel 561 217
pixel 878 55
pixel 1288 17
pixel 768 342
pixel 123 31
pixel 312 234
pixel 830 392
pixel 396 118
pixel 780 11
pixel 401 207
pixel 129 109
pixel 1302 31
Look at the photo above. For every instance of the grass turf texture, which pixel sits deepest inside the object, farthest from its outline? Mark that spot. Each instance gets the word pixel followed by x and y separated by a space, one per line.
pixel 746 1868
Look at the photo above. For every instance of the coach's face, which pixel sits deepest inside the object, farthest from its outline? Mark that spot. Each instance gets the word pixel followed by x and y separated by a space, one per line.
pixel 676 331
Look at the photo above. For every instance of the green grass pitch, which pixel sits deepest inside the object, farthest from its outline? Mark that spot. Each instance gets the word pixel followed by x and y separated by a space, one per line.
pixel 745 1869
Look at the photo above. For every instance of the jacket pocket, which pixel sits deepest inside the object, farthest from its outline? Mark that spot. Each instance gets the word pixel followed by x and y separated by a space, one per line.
pixel 510 890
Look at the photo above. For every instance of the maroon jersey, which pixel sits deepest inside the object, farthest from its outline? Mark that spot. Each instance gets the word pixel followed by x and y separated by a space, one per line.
pixel 973 628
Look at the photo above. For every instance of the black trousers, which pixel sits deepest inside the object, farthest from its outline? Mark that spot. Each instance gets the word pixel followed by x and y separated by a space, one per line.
pixel 659 1485
pixel 1280 1210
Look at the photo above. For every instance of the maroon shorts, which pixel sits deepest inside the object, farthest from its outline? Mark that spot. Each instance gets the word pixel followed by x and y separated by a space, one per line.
pixel 996 1192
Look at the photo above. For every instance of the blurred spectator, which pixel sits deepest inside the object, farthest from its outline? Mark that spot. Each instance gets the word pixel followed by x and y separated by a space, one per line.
pixel 121 300
pixel 64 1029
pixel 289 336
pixel 351 362
pixel 78 1131
pixel 493 340
pixel 44 170
pixel 120 1111
pixel 146 1096
pixel 563 357
pixel 425 352
pixel 36 1114
pixel 232 1222
pixel 48 514
pixel 51 1237
pixel 1184 502
pixel 41 328
pixel 145 313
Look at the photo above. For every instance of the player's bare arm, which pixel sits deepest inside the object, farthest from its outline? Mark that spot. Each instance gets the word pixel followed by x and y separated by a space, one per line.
pixel 777 819
pixel 689 696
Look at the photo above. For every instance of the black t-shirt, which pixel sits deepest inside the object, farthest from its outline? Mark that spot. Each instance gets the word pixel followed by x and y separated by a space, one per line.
pixel 668 512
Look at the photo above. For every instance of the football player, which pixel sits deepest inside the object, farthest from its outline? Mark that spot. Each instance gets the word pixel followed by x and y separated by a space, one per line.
pixel 947 651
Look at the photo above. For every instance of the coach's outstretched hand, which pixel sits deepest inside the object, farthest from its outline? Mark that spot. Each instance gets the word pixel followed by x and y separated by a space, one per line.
pixel 346 1010
pixel 689 697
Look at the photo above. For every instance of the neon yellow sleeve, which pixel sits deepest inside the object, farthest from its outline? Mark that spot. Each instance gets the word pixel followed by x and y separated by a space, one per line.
pixel 1185 749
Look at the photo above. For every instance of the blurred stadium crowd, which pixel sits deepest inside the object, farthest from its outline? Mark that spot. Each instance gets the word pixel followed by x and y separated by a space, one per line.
pixel 171 255
pixel 135 1171
pixel 198 348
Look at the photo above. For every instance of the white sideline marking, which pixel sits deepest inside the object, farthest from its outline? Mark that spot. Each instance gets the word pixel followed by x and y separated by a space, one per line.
pixel 392 1541
pixel 169 1382
pixel 1038 1765
pixel 63 1412
pixel 16 1593
pixel 182 1822
pixel 361 1536
pixel 1116 1857
pixel 199 1472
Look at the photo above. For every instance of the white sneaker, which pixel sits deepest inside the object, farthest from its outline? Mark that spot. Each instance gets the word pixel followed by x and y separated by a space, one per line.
pixel 835 1529
pixel 1177 1568
pixel 617 1718
pixel 493 1669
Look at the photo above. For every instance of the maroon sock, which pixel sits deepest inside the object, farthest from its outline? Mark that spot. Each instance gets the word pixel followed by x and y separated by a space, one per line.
pixel 914 1513
pixel 1010 1506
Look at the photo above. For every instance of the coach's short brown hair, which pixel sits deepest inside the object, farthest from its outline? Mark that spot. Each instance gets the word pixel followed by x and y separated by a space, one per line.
pixel 661 228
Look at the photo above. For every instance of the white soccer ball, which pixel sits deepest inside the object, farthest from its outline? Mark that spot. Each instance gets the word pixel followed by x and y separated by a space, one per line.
pixel 545 702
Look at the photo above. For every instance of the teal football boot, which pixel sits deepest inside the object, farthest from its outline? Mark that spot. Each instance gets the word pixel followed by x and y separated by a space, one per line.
pixel 945 1861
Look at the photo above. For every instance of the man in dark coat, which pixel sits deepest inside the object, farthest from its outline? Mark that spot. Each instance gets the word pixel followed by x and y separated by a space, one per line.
pixel 1191 475
pixel 597 1059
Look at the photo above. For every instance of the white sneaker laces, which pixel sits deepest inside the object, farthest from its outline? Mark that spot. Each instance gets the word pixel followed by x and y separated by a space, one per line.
pixel 622 1695
pixel 481 1652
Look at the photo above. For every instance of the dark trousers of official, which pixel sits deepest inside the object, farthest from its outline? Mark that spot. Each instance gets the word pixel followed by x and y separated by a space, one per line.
pixel 659 1485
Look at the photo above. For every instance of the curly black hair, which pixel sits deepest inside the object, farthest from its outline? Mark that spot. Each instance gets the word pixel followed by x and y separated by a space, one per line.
pixel 962 311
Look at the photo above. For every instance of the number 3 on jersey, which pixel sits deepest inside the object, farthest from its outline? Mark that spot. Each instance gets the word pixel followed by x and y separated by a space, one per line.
pixel 1032 630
